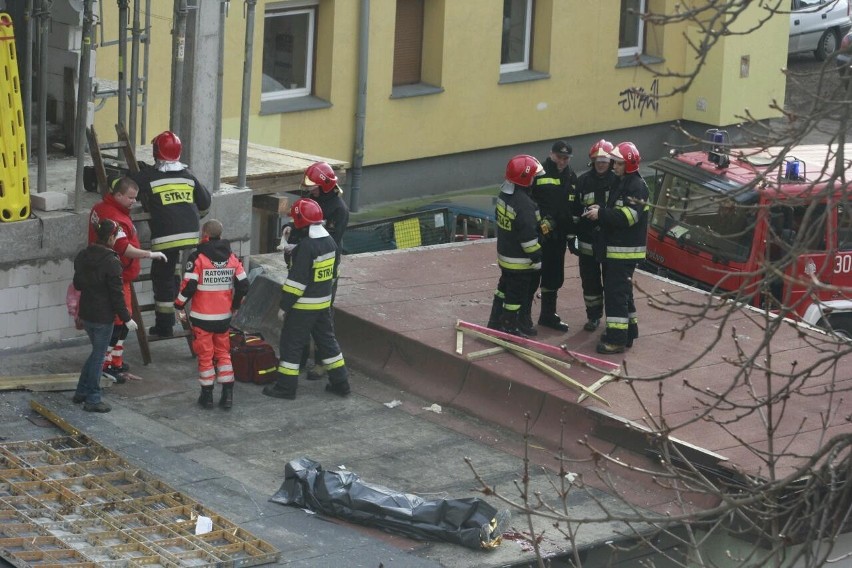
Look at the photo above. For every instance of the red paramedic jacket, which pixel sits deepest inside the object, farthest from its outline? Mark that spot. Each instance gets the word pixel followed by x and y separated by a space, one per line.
pixel 216 283
pixel 109 208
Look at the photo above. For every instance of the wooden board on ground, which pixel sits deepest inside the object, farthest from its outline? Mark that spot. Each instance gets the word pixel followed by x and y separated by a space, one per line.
pixel 42 383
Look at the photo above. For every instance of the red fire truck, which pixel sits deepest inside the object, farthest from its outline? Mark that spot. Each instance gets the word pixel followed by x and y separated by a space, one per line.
pixel 771 230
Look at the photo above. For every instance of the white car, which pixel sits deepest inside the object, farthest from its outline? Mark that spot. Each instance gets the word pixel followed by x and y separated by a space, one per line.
pixel 818 26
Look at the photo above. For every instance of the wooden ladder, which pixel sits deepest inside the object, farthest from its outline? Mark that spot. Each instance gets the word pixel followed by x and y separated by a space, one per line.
pixel 130 164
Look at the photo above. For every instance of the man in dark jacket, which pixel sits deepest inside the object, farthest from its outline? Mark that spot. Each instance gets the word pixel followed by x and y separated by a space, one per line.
pixel 97 274
pixel 518 248
pixel 306 303
pixel 553 192
pixel 176 200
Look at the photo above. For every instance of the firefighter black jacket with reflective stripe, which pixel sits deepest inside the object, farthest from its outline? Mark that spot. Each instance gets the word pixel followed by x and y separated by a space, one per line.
pixel 625 219
pixel 553 192
pixel 174 200
pixel 312 272
pixel 592 189
pixel 517 229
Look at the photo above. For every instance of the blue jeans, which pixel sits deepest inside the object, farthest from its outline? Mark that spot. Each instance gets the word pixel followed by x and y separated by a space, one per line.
pixel 89 384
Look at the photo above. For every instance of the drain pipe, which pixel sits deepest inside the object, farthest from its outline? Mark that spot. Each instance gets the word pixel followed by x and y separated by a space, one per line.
pixel 145 60
pixel 220 74
pixel 178 52
pixel 246 102
pixel 28 78
pixel 134 73
pixel 43 26
pixel 361 111
pixel 84 90
pixel 122 64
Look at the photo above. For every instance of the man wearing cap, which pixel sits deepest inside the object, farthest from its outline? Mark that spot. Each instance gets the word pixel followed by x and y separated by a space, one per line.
pixel 553 192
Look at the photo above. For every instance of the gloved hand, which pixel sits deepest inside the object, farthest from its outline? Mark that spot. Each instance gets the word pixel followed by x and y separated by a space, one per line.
pixel 157 255
pixel 572 246
pixel 546 226
pixel 131 325
pixel 285 236
pixel 181 315
pixel 281 314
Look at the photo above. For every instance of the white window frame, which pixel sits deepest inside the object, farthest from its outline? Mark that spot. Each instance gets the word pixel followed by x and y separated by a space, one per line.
pixel 525 64
pixel 309 8
pixel 638 49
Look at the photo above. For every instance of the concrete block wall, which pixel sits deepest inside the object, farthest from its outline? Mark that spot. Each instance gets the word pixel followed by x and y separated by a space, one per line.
pixel 37 264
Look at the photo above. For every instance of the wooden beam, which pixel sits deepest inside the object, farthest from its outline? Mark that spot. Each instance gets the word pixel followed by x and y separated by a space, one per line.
pixel 564 378
pixel 42 383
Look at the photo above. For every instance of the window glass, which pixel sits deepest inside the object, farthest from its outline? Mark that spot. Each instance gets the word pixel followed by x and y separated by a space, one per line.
pixel 631 28
pixel 844 227
pixel 517 24
pixel 288 47
pixel 408 42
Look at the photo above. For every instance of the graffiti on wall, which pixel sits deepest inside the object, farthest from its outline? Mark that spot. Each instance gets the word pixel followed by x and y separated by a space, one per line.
pixel 637 98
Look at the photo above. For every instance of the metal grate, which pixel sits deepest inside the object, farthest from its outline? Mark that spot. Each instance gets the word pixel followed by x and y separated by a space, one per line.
pixel 70 501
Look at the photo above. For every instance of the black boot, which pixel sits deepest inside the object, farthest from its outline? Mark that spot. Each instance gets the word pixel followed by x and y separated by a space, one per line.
pixel 496 312
pixel 525 323
pixel 509 323
pixel 632 333
pixel 226 401
pixel 205 400
pixel 548 317
pixel 284 387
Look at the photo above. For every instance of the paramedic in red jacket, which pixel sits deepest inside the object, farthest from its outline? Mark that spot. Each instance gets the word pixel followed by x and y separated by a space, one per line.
pixel 116 206
pixel 216 283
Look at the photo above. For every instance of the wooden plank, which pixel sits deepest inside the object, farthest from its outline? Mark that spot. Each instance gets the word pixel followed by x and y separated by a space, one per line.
pixel 562 377
pixel 44 383
pixel 556 352
pixel 598 384
pixel 476 355
pixel 515 348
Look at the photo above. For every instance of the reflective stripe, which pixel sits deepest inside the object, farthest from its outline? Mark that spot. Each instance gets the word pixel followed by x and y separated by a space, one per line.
pixel 213 287
pixel 225 367
pixel 304 303
pixel 175 241
pixel 531 245
pixel 206 374
pixel 323 257
pixel 164 307
pixel 511 307
pixel 625 253
pixel 631 214
pixel 511 263
pixel 209 317
pixel 289 369
pixel 190 276
pixel 548 181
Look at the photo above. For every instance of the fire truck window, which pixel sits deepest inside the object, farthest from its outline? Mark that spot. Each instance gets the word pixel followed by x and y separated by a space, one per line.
pixel 844 228
pixel 809 227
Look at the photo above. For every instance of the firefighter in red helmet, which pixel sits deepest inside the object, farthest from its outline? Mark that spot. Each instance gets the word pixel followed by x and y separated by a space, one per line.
pixel 624 220
pixel 306 303
pixel 322 186
pixel 176 201
pixel 518 248
pixel 593 188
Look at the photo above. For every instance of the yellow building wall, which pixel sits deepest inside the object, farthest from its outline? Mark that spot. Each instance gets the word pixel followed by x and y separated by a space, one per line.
pixel 575 43
pixel 743 72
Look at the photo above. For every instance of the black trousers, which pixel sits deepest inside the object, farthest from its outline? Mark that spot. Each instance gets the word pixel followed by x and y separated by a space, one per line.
pixel 165 280
pixel 620 308
pixel 299 327
pixel 592 275
pixel 553 262
pixel 517 288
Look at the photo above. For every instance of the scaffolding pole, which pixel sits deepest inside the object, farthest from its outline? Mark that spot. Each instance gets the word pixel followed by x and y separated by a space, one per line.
pixel 134 73
pixel 246 101
pixel 43 27
pixel 178 53
pixel 83 93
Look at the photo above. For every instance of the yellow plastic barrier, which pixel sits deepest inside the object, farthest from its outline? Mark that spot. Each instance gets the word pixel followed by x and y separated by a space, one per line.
pixel 14 177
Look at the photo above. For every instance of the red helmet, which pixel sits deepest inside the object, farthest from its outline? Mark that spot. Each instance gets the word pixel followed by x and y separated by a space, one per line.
pixel 305 212
pixel 600 149
pixel 523 169
pixel 167 146
pixel 627 153
pixel 322 175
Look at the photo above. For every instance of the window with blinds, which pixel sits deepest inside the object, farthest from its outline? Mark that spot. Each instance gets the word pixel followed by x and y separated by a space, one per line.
pixel 408 42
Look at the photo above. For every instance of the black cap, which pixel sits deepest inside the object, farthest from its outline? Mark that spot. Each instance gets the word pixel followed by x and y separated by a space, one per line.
pixel 562 147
